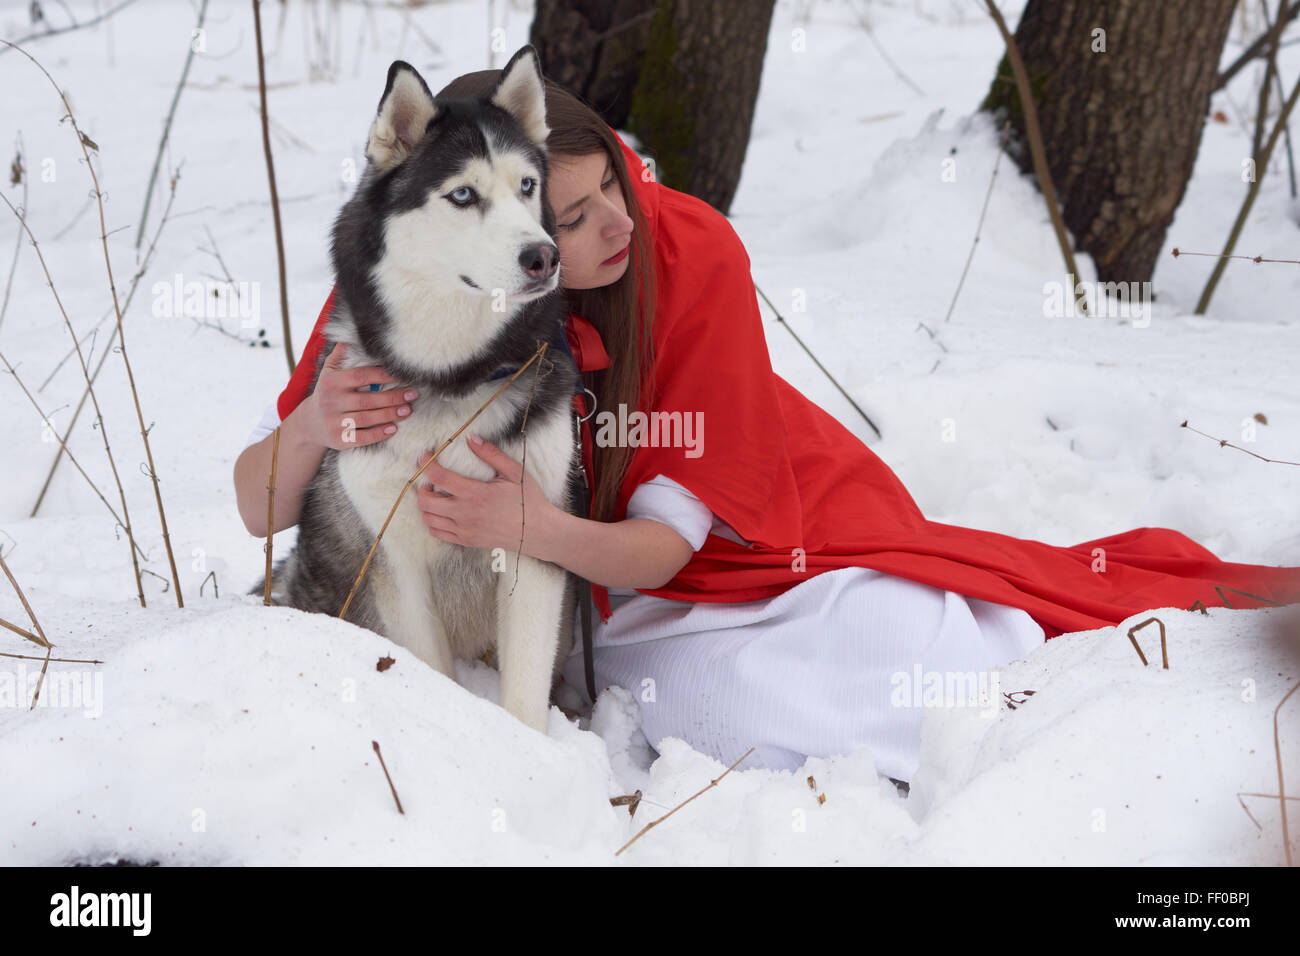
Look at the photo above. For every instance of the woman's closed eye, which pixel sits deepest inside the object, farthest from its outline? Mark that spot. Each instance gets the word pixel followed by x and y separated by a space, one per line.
pixel 577 222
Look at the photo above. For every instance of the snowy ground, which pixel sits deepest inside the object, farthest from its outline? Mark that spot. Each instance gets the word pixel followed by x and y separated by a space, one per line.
pixel 230 733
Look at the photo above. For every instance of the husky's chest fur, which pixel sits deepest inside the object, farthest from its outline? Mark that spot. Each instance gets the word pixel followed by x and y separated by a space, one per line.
pixel 372 477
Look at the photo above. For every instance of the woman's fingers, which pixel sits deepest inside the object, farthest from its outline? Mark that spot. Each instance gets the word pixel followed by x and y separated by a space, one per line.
pixel 444 480
pixel 356 437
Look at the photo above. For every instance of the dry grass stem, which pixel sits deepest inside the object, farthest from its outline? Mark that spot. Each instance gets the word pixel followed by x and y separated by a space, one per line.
pixel 1164 649
pixel 63 660
pixel 94 399
pixel 40 681
pixel 1002 145
pixel 87 144
pixel 1281 785
pixel 1223 443
pixel 1035 136
pixel 42 640
pixel 135 282
pixel 275 197
pixel 654 823
pixel 12 370
pixel 1229 255
pixel 375 744
pixel 17 174
pixel 270 515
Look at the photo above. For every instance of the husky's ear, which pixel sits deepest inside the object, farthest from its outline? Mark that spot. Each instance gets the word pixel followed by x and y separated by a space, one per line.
pixel 520 93
pixel 405 110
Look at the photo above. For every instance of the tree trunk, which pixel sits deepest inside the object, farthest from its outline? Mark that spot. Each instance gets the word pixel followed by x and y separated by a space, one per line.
pixel 594 48
pixel 682 75
pixel 694 101
pixel 1122 89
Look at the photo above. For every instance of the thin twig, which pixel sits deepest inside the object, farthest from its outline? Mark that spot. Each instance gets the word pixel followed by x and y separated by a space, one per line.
pixel 40 680
pixel 871 35
pixel 375 744
pixel 1164 650
pixel 1228 604
pixel 1281 785
pixel 1261 166
pixel 270 516
pixel 1226 255
pixel 780 318
pixel 523 475
pixel 13 370
pixel 655 823
pixel 76 26
pixel 1258 48
pixel 1270 796
pixel 130 295
pixel 1266 87
pixel 1274 74
pixel 78 660
pixel 17 172
pixel 1006 129
pixel 1224 443
pixel 167 128
pixel 86 142
pixel 99 415
pixel 42 640
pixel 275 198
pixel 21 632
pixel 1035 136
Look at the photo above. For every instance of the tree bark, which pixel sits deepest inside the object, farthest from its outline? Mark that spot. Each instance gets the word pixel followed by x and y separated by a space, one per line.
pixel 594 48
pixel 694 101
pixel 682 75
pixel 1122 113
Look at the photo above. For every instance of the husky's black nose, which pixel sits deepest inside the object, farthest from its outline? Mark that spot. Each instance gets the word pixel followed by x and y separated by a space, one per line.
pixel 540 260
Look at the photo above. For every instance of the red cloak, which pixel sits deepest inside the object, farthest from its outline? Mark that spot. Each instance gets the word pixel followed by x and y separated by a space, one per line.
pixel 809 494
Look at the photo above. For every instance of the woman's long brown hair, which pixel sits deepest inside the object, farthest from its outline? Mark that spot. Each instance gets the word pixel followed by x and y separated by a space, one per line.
pixel 625 324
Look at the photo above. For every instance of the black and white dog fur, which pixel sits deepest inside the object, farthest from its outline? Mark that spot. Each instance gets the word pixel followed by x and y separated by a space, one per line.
pixel 447 271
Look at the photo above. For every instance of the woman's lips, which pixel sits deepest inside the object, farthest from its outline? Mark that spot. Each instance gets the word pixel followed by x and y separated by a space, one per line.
pixel 617 257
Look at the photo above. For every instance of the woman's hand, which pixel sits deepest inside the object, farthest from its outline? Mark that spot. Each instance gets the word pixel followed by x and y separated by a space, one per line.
pixel 486 514
pixel 338 416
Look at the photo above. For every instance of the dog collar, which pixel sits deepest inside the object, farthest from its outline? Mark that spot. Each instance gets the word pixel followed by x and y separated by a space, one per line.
pixel 559 340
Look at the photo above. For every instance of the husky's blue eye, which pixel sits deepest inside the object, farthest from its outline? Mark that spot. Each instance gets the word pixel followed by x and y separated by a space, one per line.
pixel 462 196
pixel 528 185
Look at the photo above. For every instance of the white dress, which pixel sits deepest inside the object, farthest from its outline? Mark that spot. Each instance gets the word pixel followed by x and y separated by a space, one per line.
pixel 814 671
pixel 270 418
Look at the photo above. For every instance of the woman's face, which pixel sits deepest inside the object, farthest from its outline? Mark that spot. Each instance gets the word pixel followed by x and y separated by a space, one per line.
pixel 592 224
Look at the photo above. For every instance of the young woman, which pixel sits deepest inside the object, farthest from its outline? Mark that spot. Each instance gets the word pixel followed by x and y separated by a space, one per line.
pixel 765 580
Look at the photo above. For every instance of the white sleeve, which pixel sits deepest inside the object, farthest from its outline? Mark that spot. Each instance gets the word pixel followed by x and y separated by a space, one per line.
pixel 666 501
pixel 270 418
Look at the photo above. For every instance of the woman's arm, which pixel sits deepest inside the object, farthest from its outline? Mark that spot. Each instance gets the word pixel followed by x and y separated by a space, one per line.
pixel 298 461
pixel 336 414
pixel 633 553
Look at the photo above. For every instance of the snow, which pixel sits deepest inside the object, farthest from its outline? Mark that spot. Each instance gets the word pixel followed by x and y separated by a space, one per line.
pixel 230 733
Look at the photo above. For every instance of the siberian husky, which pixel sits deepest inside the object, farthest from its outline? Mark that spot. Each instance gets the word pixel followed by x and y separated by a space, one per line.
pixel 447 275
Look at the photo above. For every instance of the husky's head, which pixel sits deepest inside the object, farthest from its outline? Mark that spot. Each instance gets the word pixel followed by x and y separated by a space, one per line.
pixel 450 229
